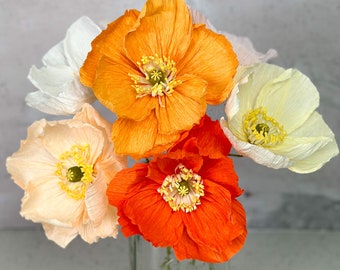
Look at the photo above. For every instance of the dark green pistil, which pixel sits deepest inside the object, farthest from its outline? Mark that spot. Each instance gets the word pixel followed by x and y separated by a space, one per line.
pixel 74 174
pixel 262 129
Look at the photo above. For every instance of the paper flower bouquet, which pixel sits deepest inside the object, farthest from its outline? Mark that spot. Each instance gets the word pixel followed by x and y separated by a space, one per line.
pixel 157 70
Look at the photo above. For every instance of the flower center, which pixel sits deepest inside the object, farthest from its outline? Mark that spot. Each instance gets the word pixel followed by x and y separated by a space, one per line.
pixel 262 129
pixel 182 190
pixel 158 77
pixel 74 173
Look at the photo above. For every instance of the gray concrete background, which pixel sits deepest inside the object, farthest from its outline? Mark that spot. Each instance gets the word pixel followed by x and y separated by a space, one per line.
pixel 304 32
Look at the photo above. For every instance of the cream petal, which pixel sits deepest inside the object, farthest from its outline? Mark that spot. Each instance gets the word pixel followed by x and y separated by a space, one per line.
pixel 46 202
pixel 95 198
pixel 289 98
pixel 317 159
pixel 300 148
pixel 32 161
pixel 315 126
pixel 90 115
pixel 78 40
pixel 251 81
pixel 60 235
pixel 258 154
pixel 61 137
pixel 107 228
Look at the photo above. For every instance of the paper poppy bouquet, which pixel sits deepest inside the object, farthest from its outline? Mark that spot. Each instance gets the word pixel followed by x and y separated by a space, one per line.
pixel 157 70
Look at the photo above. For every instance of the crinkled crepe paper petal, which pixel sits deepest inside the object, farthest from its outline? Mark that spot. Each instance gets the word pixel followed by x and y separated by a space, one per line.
pixel 258 154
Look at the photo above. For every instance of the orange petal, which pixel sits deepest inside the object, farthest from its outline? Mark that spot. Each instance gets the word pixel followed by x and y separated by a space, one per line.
pixel 165 29
pixel 113 88
pixel 134 138
pixel 210 138
pixel 162 143
pixel 222 172
pixel 153 216
pixel 189 249
pixel 215 205
pixel 109 42
pixel 183 108
pixel 211 57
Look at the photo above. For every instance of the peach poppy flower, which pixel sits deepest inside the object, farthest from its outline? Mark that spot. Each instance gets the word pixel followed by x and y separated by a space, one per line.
pixel 64 168
pixel 183 200
pixel 157 71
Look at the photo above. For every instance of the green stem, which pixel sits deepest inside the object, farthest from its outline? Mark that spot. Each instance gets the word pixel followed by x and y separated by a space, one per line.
pixel 234 155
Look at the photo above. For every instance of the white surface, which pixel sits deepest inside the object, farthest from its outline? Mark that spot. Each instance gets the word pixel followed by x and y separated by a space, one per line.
pixel 264 250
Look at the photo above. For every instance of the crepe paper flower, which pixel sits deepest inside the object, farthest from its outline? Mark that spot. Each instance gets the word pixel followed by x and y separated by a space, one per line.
pixel 60 91
pixel 183 200
pixel 209 136
pixel 157 72
pixel 64 168
pixel 272 119
pixel 243 47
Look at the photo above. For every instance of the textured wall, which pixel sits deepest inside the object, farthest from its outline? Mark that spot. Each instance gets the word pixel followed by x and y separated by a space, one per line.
pixel 304 32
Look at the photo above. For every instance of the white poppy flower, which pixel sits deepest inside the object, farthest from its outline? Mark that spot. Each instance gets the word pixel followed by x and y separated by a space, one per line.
pixel 60 91
pixel 243 47
pixel 272 119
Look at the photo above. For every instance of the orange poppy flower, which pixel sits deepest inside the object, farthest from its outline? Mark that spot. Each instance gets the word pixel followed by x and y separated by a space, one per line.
pixel 184 200
pixel 157 71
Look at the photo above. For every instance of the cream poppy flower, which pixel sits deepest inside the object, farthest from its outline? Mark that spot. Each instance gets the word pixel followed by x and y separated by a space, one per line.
pixel 64 168
pixel 243 47
pixel 60 91
pixel 272 119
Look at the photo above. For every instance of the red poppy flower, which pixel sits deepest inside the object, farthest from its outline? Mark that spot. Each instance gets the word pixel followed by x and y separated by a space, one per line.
pixel 210 138
pixel 184 200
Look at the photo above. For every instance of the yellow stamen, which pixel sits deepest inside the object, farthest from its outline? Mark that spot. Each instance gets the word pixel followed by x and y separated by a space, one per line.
pixel 158 77
pixel 262 129
pixel 182 190
pixel 74 173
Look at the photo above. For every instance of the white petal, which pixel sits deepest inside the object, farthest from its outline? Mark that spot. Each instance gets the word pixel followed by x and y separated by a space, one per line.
pixel 258 154
pixel 51 80
pixel 199 18
pixel 78 40
pixel 55 56
pixel 243 47
pixel 60 91
pixel 289 98
pixel 245 51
